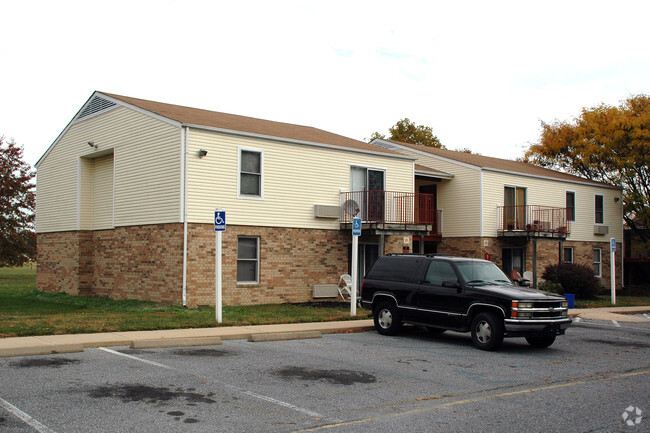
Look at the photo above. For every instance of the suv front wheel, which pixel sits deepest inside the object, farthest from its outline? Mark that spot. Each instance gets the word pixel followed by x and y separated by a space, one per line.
pixel 487 331
pixel 387 318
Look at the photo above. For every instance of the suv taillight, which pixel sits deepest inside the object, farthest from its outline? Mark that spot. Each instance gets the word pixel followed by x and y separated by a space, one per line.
pixel 361 289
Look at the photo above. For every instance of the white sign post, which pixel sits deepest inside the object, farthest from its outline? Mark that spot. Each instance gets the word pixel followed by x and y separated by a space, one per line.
pixel 612 266
pixel 356 232
pixel 219 228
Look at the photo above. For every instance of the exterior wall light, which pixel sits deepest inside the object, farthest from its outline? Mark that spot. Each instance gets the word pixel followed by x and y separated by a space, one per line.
pixel 202 153
pixel 92 144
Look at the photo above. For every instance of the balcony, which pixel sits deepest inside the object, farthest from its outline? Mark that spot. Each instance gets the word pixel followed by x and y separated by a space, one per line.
pixel 533 221
pixel 389 212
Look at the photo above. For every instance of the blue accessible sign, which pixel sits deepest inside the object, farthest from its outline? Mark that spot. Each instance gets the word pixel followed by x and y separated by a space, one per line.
pixel 220 221
pixel 356 226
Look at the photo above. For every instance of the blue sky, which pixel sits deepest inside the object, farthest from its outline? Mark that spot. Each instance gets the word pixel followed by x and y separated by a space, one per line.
pixel 481 74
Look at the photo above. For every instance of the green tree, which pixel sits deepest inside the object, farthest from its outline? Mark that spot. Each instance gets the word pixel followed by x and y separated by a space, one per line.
pixel 607 144
pixel 17 199
pixel 407 132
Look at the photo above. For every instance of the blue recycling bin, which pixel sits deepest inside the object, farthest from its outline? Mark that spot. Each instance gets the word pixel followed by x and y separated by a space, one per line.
pixel 571 298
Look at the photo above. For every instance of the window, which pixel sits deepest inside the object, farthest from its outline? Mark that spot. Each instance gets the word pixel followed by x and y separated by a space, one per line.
pixel 513 259
pixel 598 253
pixel 515 208
pixel 599 217
pixel 570 206
pixel 248 260
pixel 568 254
pixel 439 272
pixel 250 173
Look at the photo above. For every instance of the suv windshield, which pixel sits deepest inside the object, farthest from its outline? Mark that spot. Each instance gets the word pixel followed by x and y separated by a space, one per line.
pixel 478 273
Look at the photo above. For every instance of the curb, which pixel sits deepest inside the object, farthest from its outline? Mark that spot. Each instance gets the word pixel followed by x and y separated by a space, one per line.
pixel 175 342
pixel 278 336
pixel 52 344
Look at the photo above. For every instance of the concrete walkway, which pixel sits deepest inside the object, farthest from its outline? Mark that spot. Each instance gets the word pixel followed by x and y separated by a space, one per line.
pixel 48 344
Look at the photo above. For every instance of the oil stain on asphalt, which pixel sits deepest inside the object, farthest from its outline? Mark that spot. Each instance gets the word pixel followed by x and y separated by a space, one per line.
pixel 44 362
pixel 149 394
pixel 336 377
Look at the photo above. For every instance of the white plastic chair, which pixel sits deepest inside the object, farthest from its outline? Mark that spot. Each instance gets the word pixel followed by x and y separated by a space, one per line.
pixel 528 276
pixel 345 286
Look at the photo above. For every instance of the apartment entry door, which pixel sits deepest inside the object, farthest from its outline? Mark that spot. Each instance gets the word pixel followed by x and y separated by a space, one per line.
pixel 368 254
pixel 368 188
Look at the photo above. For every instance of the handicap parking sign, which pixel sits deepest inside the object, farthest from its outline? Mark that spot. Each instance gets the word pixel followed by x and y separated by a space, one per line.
pixel 220 221
pixel 356 226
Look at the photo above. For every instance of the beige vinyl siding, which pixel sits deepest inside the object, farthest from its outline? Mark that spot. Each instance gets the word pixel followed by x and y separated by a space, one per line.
pixel 147 172
pixel 458 198
pixel 548 192
pixel 102 184
pixel 295 178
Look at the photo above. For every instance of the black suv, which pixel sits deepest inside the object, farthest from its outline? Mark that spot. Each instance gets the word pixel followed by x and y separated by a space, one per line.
pixel 460 294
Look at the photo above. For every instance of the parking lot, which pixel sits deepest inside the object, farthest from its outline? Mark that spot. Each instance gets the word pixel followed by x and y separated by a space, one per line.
pixel 354 382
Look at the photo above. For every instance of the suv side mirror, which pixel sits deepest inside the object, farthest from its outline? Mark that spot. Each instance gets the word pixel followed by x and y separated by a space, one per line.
pixel 451 283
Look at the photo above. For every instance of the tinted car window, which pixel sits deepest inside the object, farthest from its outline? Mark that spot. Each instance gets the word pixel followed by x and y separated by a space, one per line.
pixel 440 271
pixel 396 268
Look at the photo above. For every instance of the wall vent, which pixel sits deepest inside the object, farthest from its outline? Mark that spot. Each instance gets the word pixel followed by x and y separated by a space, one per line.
pixel 96 105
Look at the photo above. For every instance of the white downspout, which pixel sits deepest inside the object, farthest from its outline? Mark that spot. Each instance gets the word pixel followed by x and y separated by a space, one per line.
pixel 184 144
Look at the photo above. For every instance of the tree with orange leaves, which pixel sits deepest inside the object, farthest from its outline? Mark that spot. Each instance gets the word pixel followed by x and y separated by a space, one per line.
pixel 607 144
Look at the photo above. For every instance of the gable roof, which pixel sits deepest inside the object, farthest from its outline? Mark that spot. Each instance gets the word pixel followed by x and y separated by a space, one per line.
pixel 197 117
pixel 100 102
pixel 486 162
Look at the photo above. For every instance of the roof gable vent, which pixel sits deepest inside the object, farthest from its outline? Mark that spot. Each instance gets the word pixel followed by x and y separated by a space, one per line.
pixel 96 105
pixel 385 144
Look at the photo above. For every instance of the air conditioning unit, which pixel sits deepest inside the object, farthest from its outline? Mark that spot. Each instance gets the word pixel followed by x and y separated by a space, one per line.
pixel 326 211
pixel 601 230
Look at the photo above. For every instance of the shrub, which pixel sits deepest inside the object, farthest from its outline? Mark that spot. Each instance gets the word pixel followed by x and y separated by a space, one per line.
pixel 573 278
pixel 550 286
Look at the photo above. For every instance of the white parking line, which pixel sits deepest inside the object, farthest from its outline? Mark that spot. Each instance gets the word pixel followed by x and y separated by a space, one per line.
pixel 577 319
pixel 618 325
pixel 115 352
pixel 25 417
pixel 234 388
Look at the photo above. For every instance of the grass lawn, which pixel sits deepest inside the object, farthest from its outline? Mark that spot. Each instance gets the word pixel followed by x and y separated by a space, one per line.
pixel 621 301
pixel 25 311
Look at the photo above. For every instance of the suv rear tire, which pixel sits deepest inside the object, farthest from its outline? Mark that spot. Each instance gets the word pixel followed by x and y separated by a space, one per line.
pixel 387 318
pixel 487 331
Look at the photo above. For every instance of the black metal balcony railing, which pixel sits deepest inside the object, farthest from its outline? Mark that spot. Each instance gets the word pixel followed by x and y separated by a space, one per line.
pixel 533 219
pixel 389 207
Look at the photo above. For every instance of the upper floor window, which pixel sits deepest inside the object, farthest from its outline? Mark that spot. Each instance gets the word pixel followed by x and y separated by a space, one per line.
pixel 570 206
pixel 251 163
pixel 515 207
pixel 599 213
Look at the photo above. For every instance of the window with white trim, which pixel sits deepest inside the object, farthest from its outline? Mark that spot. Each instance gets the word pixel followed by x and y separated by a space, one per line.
pixel 598 265
pixel 251 163
pixel 248 260
pixel 570 206
pixel 599 213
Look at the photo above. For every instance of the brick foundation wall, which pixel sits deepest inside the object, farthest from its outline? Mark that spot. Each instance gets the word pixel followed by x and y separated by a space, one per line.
pixel 140 262
pixel 291 262
pixel 146 262
pixel 58 258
